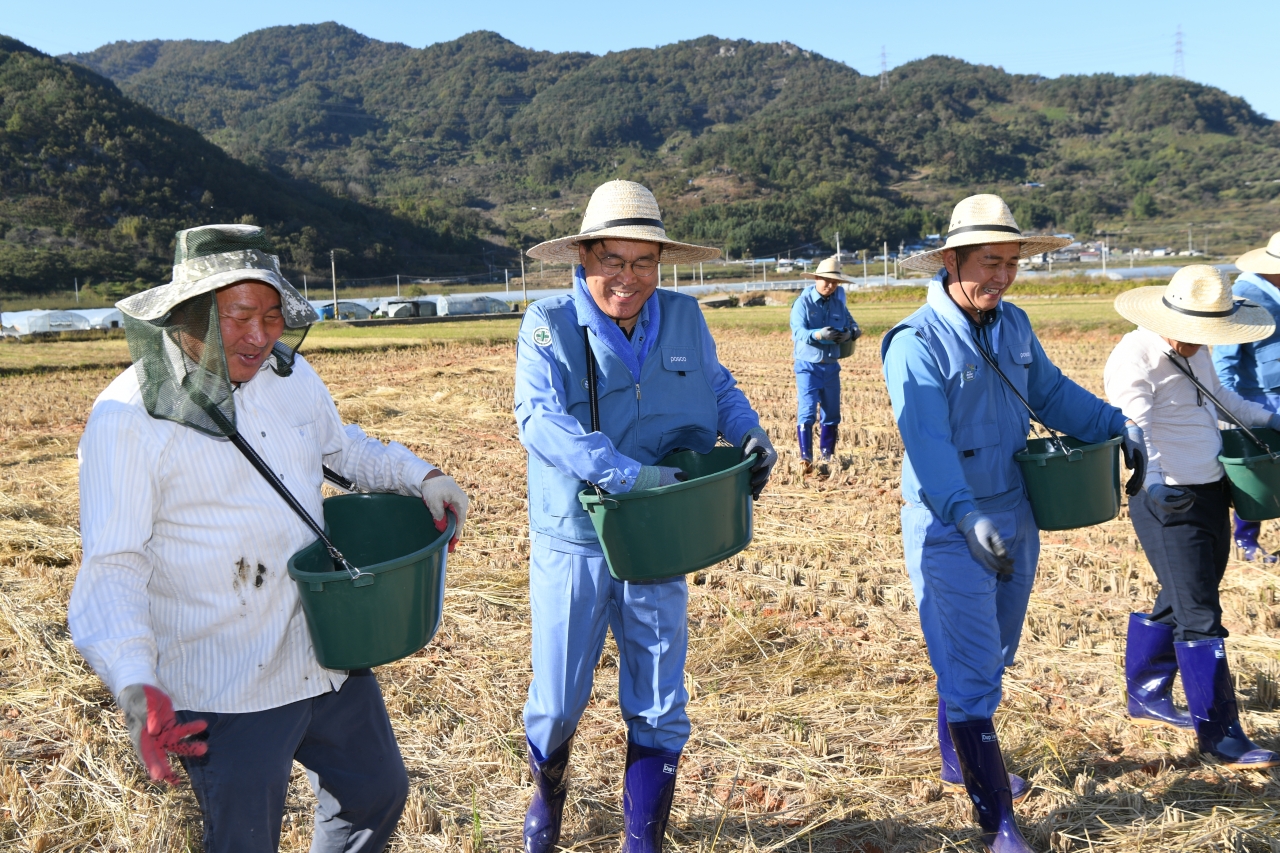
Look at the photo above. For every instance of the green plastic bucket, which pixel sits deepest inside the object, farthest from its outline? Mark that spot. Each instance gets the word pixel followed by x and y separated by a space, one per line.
pixel 394 607
pixel 677 529
pixel 1254 476
pixel 846 349
pixel 1074 489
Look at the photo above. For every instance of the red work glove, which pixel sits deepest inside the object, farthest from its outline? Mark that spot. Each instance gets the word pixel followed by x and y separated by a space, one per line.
pixel 155 732
pixel 440 491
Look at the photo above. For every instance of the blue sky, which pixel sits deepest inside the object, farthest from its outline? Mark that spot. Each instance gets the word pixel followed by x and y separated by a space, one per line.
pixel 1232 45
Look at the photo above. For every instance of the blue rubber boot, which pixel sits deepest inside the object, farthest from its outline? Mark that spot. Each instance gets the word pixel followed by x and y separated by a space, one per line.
pixel 1150 665
pixel 827 438
pixel 646 798
pixel 987 782
pixel 1212 700
pixel 1246 536
pixel 546 809
pixel 952 778
pixel 805 434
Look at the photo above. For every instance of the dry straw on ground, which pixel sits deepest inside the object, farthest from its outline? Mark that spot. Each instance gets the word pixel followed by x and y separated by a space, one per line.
pixel 812 699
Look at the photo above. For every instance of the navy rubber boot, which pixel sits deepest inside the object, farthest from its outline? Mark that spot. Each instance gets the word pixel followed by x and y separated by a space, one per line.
pixel 1246 537
pixel 1150 665
pixel 805 434
pixel 952 778
pixel 1212 700
pixel 827 438
pixel 546 809
pixel 646 797
pixel 987 782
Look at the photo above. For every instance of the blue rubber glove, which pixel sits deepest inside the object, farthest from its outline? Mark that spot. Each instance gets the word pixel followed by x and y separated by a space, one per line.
pixel 757 441
pixel 1273 422
pixel 985 544
pixel 1134 449
pixel 655 476
pixel 1171 498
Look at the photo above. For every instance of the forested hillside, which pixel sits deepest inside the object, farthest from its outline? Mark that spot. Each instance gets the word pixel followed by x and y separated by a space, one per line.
pixel 93 185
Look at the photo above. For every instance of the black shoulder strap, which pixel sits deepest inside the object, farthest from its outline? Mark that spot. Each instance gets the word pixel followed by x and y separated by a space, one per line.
pixel 592 392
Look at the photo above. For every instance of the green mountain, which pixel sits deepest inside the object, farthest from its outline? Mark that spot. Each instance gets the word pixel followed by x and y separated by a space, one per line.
pixel 93 185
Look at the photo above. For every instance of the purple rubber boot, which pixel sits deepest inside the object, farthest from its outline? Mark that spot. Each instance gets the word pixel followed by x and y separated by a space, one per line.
pixel 1246 536
pixel 1212 699
pixel 952 778
pixel 805 434
pixel 987 782
pixel 546 809
pixel 646 797
pixel 827 438
pixel 1150 666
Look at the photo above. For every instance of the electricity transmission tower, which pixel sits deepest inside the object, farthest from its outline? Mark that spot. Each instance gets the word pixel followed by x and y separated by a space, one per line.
pixel 884 69
pixel 1179 68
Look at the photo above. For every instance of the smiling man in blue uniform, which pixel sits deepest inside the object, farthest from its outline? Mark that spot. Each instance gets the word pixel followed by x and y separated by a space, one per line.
pixel 955 370
pixel 660 388
pixel 820 323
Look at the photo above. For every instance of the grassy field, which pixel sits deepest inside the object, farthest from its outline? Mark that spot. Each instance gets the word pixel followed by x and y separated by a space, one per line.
pixel 812 699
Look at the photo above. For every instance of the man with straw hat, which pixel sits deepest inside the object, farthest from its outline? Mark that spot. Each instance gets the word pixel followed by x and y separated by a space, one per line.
pixel 964 374
pixel 1252 370
pixel 183 604
pixel 1161 376
pixel 820 323
pixel 660 388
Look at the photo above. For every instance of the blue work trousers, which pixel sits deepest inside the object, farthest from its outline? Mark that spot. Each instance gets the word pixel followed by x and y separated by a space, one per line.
pixel 972 622
pixel 574 600
pixel 344 740
pixel 817 385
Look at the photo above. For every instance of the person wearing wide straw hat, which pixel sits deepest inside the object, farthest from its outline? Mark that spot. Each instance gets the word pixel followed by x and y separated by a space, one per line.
pixel 820 323
pixel 961 373
pixel 660 388
pixel 1161 376
pixel 183 604
pixel 1252 370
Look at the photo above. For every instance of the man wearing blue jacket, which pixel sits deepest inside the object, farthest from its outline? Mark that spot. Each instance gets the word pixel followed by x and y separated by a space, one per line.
pixel 1253 370
pixel 660 388
pixel 820 323
pixel 955 370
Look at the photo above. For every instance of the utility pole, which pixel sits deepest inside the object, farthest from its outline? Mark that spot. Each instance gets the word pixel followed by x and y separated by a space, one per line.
pixel 886 263
pixel 1179 67
pixel 506 278
pixel 333 268
pixel 701 280
pixel 397 285
pixel 304 287
pixel 865 281
pixel 1104 257
pixel 837 247
pixel 675 276
pixel 524 284
pixel 1190 246
pixel 76 285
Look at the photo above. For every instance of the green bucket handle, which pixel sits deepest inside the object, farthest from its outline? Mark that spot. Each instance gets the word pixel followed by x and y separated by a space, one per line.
pixel 361 578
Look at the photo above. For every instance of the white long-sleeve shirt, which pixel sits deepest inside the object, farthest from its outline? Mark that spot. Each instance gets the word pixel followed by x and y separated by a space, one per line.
pixel 184 583
pixel 1181 431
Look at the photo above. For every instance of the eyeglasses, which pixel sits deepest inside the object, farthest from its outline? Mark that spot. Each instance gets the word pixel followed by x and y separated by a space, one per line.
pixel 611 265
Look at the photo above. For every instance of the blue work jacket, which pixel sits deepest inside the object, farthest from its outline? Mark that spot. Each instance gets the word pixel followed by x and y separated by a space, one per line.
pixel 1252 369
pixel 811 313
pixel 682 398
pixel 960 423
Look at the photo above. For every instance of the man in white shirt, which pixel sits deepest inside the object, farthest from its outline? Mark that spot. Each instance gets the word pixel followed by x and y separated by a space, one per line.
pixel 1161 376
pixel 183 604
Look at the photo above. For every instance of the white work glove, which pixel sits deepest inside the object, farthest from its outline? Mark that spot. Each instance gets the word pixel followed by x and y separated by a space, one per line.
pixel 440 491
pixel 1134 449
pixel 155 731
pixel 653 476
pixel 1273 422
pixel 826 333
pixel 757 441
pixel 1171 498
pixel 985 544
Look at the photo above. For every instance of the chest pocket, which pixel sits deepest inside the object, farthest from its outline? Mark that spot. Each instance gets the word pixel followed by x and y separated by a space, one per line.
pixel 680 359
pixel 1017 364
pixel 1268 359
pixel 979 448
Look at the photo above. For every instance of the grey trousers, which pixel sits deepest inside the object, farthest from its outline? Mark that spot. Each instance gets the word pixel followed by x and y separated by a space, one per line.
pixel 344 741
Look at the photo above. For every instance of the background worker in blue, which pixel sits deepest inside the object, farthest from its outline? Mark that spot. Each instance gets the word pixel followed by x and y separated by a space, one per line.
pixel 1253 370
pixel 970 541
pixel 660 388
pixel 820 322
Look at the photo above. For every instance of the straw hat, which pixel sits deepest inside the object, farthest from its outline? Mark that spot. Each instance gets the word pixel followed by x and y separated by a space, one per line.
pixel 215 256
pixel 1196 307
pixel 623 210
pixel 1265 261
pixel 977 221
pixel 830 269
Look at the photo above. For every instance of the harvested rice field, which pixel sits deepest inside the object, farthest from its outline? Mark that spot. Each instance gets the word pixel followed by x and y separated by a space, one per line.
pixel 812 700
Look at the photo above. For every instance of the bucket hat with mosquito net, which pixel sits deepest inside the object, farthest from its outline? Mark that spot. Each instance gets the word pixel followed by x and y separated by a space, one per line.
pixel 980 220
pixel 830 270
pixel 1264 261
pixel 622 210
pixel 173 330
pixel 1196 307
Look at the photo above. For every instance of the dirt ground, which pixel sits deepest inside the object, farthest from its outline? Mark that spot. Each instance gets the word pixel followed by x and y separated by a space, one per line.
pixel 812 700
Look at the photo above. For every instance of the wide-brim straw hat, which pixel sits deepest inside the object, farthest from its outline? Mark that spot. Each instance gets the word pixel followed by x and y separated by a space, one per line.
pixel 977 221
pixel 622 210
pixel 1265 261
pixel 211 257
pixel 829 269
pixel 1196 307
